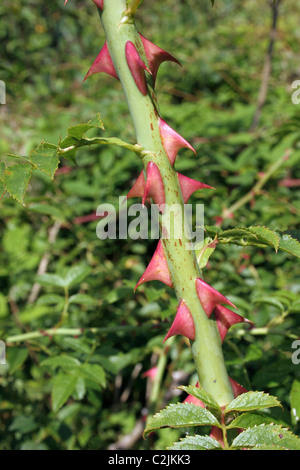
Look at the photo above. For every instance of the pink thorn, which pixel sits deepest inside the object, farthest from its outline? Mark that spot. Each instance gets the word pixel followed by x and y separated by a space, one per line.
pixel 136 67
pixel 103 63
pixel 99 3
pixel 138 188
pixel 151 373
pixel 210 297
pixel 217 434
pixel 183 323
pixel 237 388
pixel 172 141
pixel 225 318
pixel 154 185
pixel 155 56
pixel 157 269
pixel 189 186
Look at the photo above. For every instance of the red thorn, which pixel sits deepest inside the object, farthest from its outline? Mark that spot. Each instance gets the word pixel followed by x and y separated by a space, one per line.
pixel 99 3
pixel 189 186
pixel 138 188
pixel 103 63
pixel 210 297
pixel 172 141
pixel 237 388
pixel 217 434
pixel 157 269
pixel 225 318
pixel 154 185
pixel 151 373
pixel 136 67
pixel 183 323
pixel 155 56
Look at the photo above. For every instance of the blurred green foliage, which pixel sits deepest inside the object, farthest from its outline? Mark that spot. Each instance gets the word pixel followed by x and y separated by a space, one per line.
pixel 87 391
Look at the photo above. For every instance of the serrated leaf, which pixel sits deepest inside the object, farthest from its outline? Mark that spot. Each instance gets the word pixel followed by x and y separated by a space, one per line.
pixel 202 395
pixel 289 245
pixel 252 401
pixel 63 387
pixel 15 179
pixel 196 443
pixel 254 235
pixel 271 435
pixel 250 419
pixel 181 415
pixel 79 130
pixel 45 158
pixel 265 235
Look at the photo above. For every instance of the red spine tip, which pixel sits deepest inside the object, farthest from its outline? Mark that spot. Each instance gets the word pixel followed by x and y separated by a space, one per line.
pixel 237 388
pixel 157 269
pixel 183 323
pixel 138 188
pixel 155 56
pixel 189 186
pixel 210 297
pixel 225 318
pixel 99 3
pixel 136 67
pixel 172 141
pixel 103 63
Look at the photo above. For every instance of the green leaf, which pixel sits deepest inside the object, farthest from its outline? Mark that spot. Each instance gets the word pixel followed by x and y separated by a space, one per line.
pixel 252 401
pixel 202 395
pixel 265 235
pixel 250 419
pixel 181 415
pixel 63 387
pixel 270 301
pixel 76 274
pixel 63 361
pixel 50 280
pixel 16 356
pixel 45 158
pixel 23 424
pixel 295 402
pixel 272 436
pixel 204 250
pixel 289 245
pixel 82 299
pixel 196 443
pixel 79 130
pixel 16 179
pixel 93 372
pixel 254 235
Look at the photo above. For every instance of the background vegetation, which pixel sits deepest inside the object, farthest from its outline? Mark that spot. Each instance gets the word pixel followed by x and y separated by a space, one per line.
pixel 86 388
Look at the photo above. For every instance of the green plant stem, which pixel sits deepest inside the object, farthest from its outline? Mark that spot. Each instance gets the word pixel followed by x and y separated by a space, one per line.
pixel 74 332
pixel 207 348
